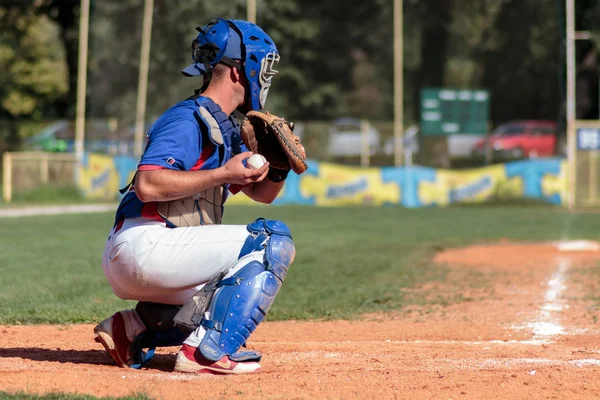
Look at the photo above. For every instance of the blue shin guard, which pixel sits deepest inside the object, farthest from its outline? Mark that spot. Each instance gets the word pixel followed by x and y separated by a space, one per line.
pixel 243 300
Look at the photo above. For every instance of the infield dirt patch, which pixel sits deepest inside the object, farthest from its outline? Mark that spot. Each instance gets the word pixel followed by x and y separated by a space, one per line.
pixel 531 333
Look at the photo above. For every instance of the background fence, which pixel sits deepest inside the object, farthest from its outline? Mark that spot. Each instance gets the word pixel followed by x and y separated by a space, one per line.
pixel 23 171
pixel 335 74
pixel 587 171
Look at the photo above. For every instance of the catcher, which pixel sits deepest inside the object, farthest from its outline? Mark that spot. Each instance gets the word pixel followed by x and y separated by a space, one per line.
pixel 199 284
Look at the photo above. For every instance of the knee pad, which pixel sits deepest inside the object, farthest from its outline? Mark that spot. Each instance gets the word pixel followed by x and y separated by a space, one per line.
pixel 275 238
pixel 243 300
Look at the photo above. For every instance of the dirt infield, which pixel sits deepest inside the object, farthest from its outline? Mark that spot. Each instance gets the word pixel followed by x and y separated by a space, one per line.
pixel 531 334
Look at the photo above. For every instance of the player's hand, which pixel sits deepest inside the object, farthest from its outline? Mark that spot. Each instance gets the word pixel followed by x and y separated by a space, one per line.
pixel 235 172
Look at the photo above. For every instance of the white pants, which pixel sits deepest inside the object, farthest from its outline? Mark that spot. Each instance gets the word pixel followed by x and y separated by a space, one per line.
pixel 146 261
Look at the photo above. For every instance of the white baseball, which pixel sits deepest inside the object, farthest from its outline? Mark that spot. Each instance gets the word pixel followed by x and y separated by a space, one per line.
pixel 255 161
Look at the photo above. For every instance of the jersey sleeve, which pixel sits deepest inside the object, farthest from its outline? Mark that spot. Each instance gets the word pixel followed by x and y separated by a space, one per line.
pixel 175 145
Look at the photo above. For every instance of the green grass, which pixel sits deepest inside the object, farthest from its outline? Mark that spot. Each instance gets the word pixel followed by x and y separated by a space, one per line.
pixel 65 396
pixel 349 260
pixel 48 195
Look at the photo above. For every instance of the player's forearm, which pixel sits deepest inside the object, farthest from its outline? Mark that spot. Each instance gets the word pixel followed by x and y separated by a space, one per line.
pixel 264 191
pixel 166 185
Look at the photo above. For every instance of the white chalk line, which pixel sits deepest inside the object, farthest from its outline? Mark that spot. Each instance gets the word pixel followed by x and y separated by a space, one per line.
pixel 510 363
pixel 544 327
pixel 56 210
pixel 546 323
pixel 532 342
pixel 459 363
pixel 502 342
pixel 377 359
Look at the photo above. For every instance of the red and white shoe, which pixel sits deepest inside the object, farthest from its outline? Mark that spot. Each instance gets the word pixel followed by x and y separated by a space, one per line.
pixel 116 334
pixel 190 360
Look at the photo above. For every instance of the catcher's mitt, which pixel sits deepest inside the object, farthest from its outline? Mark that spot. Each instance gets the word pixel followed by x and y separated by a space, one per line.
pixel 273 137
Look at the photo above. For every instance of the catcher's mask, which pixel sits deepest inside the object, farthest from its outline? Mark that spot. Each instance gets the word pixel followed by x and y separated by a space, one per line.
pixel 225 41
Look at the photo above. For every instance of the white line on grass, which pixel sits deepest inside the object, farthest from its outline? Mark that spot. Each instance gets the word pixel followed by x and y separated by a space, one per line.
pixel 56 210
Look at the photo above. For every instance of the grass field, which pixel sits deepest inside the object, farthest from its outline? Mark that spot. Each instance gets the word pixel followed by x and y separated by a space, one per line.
pixel 64 396
pixel 349 260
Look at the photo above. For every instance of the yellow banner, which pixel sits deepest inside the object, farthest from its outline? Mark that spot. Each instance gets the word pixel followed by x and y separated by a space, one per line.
pixel 472 186
pixel 339 185
pixel 327 184
pixel 99 179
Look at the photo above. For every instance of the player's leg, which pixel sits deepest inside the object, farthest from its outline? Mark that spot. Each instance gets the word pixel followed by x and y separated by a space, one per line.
pixel 127 333
pixel 241 301
pixel 148 262
pixel 162 268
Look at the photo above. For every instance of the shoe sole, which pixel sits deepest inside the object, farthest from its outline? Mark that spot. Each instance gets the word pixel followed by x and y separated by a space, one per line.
pixel 104 337
pixel 182 364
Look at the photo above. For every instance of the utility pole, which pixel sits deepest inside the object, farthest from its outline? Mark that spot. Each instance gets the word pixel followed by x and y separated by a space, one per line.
pixel 84 25
pixel 571 116
pixel 398 84
pixel 251 11
pixel 140 114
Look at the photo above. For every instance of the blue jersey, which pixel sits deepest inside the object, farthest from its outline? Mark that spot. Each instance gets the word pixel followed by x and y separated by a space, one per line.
pixel 181 140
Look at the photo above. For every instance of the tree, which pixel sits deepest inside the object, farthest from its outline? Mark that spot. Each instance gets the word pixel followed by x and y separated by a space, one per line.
pixel 33 71
pixel 34 74
pixel 65 13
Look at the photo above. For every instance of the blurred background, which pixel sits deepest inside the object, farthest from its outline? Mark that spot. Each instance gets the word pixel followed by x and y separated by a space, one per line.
pixel 481 82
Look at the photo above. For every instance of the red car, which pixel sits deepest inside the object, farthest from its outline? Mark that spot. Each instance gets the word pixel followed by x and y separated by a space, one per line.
pixel 521 139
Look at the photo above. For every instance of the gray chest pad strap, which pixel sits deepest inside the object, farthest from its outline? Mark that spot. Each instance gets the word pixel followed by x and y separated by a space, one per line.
pixel 214 130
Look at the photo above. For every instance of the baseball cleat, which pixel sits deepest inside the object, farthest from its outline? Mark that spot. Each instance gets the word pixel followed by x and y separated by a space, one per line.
pixel 190 360
pixel 116 334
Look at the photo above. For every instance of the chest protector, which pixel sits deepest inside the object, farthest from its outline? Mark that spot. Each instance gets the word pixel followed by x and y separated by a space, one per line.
pixel 206 207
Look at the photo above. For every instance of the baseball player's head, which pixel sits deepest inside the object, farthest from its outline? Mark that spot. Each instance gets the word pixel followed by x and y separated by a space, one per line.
pixel 241 45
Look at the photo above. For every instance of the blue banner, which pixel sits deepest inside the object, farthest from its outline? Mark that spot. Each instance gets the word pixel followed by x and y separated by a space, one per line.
pixel 326 184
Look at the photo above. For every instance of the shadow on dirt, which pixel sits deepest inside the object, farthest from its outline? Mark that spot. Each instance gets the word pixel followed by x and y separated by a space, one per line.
pixel 161 362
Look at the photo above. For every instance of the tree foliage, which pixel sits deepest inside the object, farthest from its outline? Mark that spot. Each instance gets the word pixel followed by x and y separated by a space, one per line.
pixel 336 55
pixel 32 63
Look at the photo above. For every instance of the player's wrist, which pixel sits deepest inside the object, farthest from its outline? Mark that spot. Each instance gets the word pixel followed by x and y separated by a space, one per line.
pixel 220 176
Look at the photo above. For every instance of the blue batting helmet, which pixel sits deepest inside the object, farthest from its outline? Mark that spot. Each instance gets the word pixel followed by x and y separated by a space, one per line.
pixel 239 44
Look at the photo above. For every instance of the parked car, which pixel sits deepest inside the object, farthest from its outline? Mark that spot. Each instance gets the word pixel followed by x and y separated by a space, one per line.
pixel 100 137
pixel 47 139
pixel 459 145
pixel 345 138
pixel 520 139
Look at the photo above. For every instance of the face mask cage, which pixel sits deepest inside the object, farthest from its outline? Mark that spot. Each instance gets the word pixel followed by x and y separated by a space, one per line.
pixel 267 72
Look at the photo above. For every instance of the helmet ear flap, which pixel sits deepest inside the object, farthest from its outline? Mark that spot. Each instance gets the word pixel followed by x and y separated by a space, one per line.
pixel 208 50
